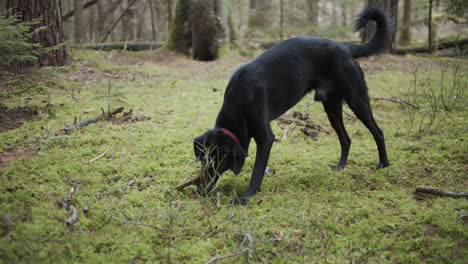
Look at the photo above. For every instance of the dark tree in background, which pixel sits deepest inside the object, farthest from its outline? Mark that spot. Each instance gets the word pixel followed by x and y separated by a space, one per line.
pixel 52 36
pixel 203 27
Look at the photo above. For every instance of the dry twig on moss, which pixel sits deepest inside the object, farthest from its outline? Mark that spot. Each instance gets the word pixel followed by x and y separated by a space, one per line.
pixel 249 251
pixel 400 101
pixel 100 155
pixel 84 123
pixel 439 192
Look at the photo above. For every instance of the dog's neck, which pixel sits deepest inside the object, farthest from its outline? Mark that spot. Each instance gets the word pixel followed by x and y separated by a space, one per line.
pixel 234 124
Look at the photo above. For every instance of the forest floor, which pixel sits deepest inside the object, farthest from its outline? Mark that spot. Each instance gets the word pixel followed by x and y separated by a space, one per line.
pixel 122 207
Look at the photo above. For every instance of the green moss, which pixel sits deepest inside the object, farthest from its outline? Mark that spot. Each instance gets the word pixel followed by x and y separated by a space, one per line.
pixel 306 213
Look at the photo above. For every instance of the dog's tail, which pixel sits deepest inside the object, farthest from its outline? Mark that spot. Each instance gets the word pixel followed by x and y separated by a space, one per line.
pixel 381 36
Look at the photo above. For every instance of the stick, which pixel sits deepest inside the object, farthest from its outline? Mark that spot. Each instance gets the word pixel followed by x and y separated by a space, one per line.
pixel 240 252
pixel 249 251
pixel 96 119
pixel 400 101
pixel 100 155
pixel 439 192
pixel 74 217
pixel 189 182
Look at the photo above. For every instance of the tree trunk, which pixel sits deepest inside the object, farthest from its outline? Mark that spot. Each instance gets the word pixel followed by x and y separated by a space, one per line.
pixel 260 13
pixel 80 36
pixel 312 11
pixel 49 10
pixel 203 27
pixel 153 23
pixel 128 21
pixel 101 20
pixel 405 38
pixel 169 14
pixel 92 24
pixel 429 25
pixel 281 19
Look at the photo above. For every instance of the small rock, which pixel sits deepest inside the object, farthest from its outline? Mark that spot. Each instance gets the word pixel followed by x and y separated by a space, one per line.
pixel 268 171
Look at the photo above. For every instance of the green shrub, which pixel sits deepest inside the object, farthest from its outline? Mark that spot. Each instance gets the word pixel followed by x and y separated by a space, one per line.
pixel 15 48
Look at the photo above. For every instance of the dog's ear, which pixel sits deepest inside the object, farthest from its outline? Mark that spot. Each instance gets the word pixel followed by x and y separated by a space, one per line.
pixel 238 158
pixel 198 147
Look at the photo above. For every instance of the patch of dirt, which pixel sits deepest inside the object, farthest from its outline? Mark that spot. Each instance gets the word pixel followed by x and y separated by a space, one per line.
pixel 303 121
pixel 7 157
pixel 13 118
pixel 129 118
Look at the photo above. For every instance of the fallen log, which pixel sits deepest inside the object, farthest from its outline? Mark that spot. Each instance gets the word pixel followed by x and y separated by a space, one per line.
pixel 439 192
pixel 442 45
pixel 130 46
pixel 84 123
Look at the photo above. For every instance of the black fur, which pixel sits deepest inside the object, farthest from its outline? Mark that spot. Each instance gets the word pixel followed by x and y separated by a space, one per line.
pixel 265 88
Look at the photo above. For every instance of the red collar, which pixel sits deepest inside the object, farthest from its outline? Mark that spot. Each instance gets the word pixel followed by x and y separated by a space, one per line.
pixel 229 133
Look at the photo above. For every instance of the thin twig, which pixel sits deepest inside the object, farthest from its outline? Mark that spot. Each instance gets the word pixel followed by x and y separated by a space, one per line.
pixel 100 155
pixel 126 221
pixel 74 217
pixel 84 123
pixel 249 251
pixel 418 144
pixel 400 101
pixel 5 252
pixel 350 115
pixel 439 192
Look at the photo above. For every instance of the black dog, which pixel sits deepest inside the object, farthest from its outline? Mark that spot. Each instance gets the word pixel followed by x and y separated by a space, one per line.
pixel 265 88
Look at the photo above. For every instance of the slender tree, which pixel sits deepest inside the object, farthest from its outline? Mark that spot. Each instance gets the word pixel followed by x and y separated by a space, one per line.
pixel 405 37
pixel 79 21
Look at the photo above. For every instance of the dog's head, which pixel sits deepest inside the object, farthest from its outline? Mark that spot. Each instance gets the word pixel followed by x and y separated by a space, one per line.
pixel 217 152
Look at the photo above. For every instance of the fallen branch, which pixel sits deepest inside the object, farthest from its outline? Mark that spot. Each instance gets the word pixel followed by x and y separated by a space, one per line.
pixel 240 252
pixel 249 251
pixel 439 192
pixel 192 181
pixel 442 45
pixel 401 101
pixel 100 155
pixel 96 119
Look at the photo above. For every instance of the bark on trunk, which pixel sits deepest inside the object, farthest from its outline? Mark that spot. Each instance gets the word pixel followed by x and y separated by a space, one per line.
pixel 201 28
pixel 405 38
pixel 49 10
pixel 79 21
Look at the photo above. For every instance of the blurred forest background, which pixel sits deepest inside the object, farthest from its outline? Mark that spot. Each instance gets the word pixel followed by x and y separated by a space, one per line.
pixel 149 24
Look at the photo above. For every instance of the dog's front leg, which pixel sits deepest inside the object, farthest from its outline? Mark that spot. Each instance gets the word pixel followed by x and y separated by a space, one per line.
pixel 264 144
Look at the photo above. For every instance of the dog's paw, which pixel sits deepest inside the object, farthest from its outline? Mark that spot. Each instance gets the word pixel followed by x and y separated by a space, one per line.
pixel 239 201
pixel 338 168
pixel 383 165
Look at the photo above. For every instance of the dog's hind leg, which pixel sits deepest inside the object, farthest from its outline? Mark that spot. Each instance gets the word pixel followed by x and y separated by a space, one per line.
pixel 359 103
pixel 334 107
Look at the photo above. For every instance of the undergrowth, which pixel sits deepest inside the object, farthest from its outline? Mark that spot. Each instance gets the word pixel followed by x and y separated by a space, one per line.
pixel 129 212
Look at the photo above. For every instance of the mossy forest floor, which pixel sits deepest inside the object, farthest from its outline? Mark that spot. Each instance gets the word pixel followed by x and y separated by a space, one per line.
pixel 129 212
